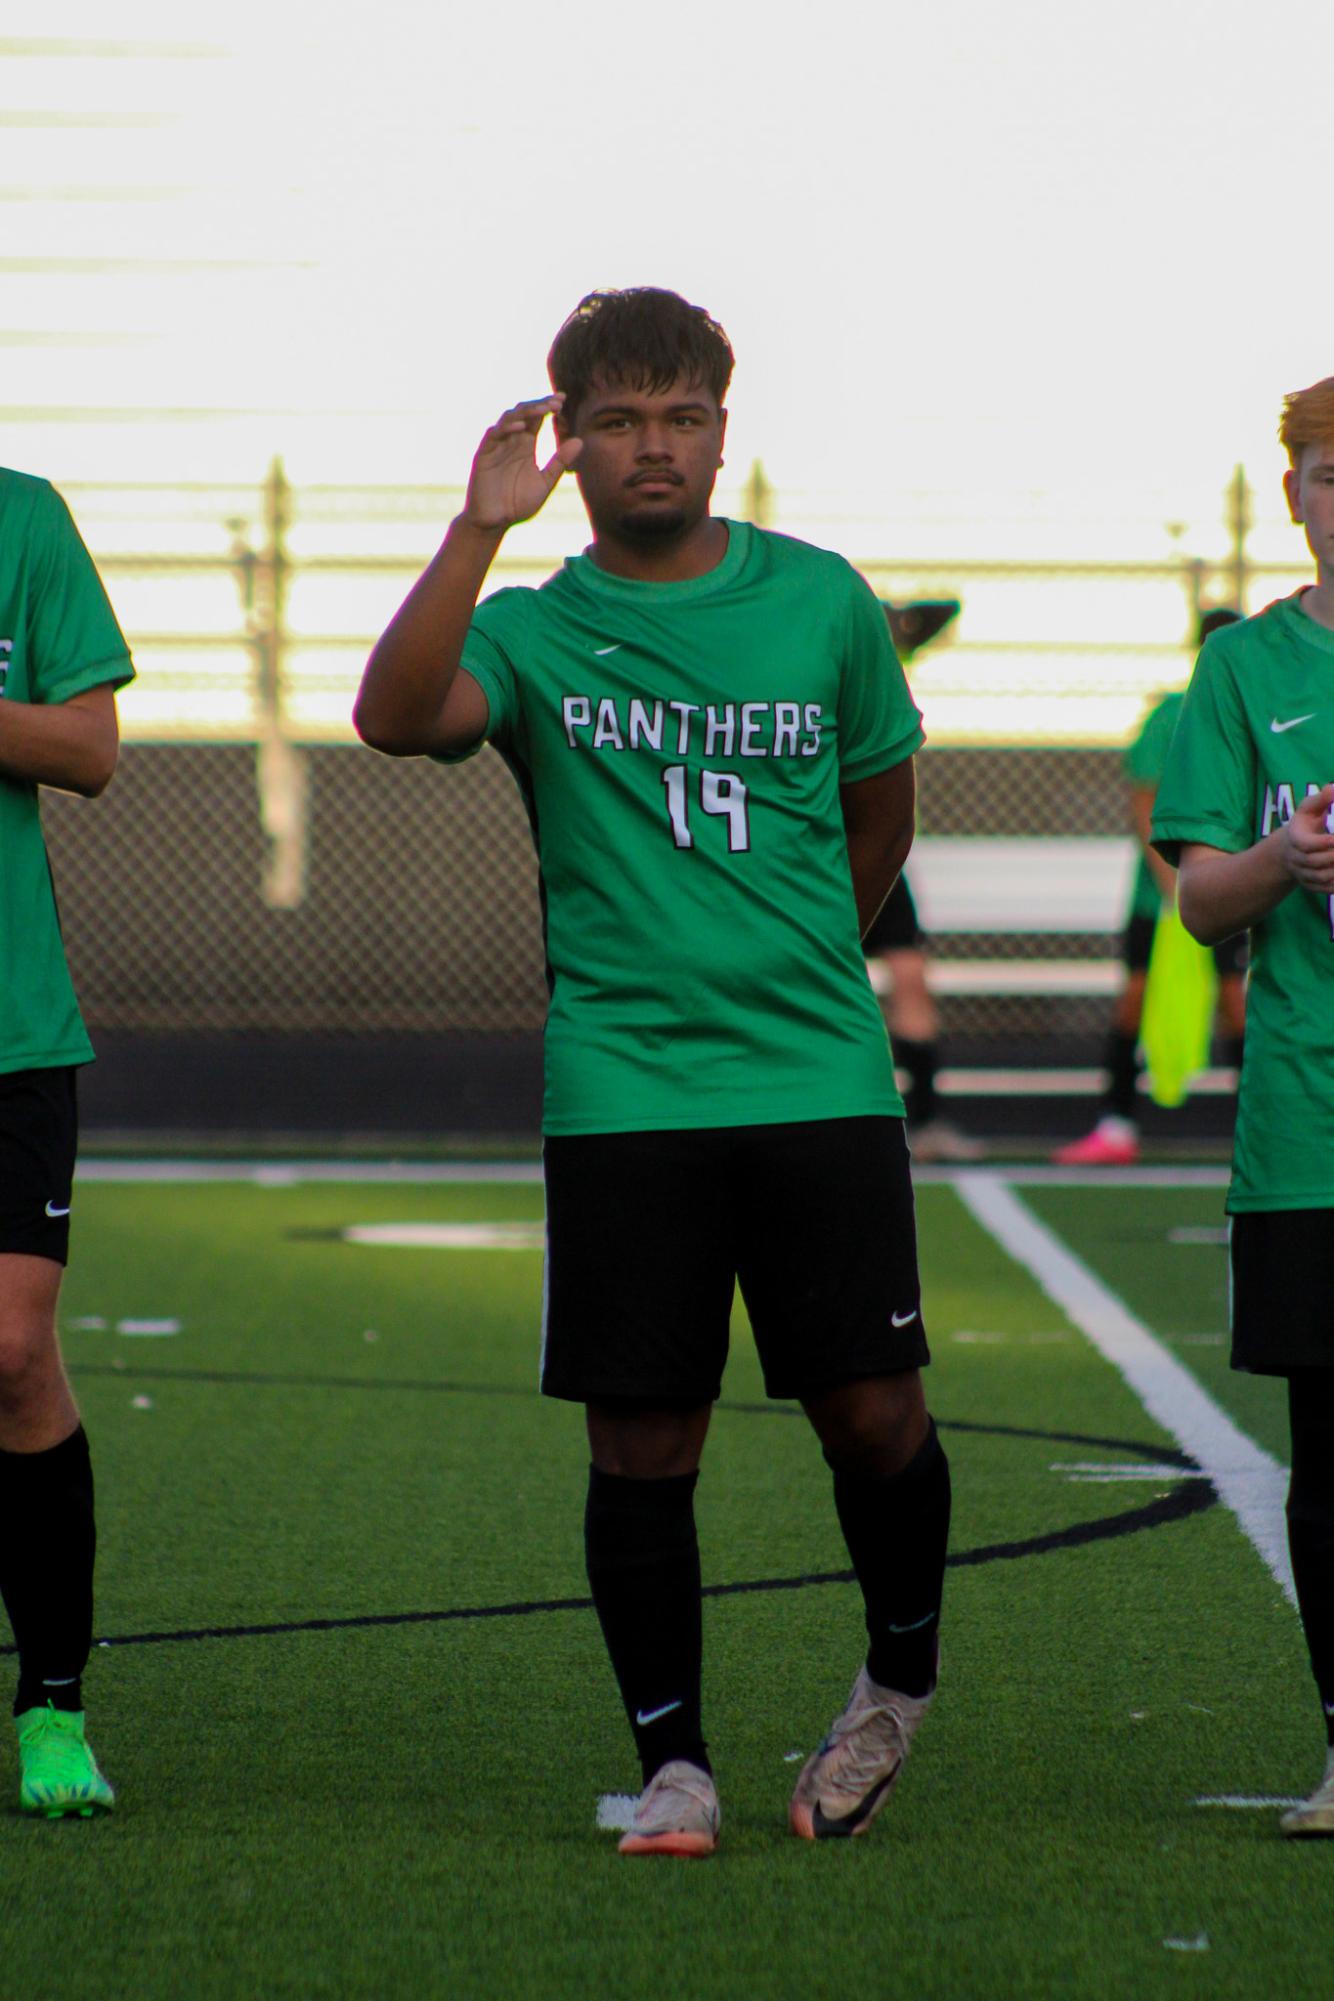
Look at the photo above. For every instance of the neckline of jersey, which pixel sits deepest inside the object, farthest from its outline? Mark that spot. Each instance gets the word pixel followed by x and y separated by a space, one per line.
pixel 584 571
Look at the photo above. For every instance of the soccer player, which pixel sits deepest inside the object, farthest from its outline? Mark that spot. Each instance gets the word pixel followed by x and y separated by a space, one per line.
pixel 897 941
pixel 62 657
pixel 1244 810
pixel 714 742
pixel 1114 1140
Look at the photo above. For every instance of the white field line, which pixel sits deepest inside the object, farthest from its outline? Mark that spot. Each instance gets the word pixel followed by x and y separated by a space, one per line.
pixel 1242 1801
pixel 1251 1483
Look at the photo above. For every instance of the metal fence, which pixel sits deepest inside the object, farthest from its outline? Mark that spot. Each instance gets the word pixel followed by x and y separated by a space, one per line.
pixel 254 869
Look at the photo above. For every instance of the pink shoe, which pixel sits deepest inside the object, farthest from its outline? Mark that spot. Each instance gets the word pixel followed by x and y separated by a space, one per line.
pixel 1112 1143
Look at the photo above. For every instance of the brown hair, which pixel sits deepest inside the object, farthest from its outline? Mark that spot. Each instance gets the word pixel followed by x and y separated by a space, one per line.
pixel 645 337
pixel 1308 419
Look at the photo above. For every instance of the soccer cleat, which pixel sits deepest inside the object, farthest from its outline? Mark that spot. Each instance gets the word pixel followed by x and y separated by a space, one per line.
pixel 677 1814
pixel 845 1783
pixel 1316 1815
pixel 58 1771
pixel 936 1140
pixel 1112 1143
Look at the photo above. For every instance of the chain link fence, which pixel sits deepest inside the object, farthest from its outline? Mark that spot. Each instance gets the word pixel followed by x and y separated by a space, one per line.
pixel 254 870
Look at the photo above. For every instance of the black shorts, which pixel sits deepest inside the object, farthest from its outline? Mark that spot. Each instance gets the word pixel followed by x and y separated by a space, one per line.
pixel 648 1234
pixel 39 1133
pixel 1282 1290
pixel 895 927
pixel 1231 955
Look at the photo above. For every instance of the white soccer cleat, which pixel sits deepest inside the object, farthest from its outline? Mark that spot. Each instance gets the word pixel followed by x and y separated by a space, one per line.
pixel 845 1783
pixel 677 1814
pixel 937 1142
pixel 1316 1815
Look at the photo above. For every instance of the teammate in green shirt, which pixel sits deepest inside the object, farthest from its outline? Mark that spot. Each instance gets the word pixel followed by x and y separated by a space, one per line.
pixel 62 657
pixel 1245 810
pixel 1114 1140
pixel 714 742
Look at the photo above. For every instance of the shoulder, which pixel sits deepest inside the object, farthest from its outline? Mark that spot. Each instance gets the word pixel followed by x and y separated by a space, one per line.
pixel 1249 641
pixel 788 552
pixel 25 497
pixel 507 610
pixel 821 576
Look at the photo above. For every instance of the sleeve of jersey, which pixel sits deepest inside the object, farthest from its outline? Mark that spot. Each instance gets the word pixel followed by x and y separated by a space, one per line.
pixel 75 639
pixel 879 724
pixel 1207 793
pixel 1143 762
pixel 491 652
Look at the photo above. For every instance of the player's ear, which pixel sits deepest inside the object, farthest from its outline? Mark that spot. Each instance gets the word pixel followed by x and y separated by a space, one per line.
pixel 563 423
pixel 722 433
pixel 1292 487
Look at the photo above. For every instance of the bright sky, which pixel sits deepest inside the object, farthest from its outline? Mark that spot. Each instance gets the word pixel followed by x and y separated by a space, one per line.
pixel 975 249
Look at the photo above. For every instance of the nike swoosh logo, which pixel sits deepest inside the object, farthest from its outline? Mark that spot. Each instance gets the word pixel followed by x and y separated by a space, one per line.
pixel 902 1319
pixel 646 1716
pixel 52 1210
pixel 617 647
pixel 915 1627
pixel 1278 728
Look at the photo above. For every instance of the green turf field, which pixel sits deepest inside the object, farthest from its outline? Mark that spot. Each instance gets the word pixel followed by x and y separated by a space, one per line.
pixel 359 1717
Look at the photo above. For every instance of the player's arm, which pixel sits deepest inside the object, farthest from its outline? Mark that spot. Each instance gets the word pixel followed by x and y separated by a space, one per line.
pixel 1141 817
pixel 879 815
pixel 1220 893
pixel 72 745
pixel 414 699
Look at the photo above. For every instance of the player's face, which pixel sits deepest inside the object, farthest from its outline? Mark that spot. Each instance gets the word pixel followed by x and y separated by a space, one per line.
pixel 650 458
pixel 1310 490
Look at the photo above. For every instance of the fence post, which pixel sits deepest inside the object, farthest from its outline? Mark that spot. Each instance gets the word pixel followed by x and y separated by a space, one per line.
pixel 757 497
pixel 281 770
pixel 1239 525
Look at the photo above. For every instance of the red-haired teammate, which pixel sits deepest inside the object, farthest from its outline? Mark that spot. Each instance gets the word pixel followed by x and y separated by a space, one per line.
pixel 714 741
pixel 1244 810
pixel 62 657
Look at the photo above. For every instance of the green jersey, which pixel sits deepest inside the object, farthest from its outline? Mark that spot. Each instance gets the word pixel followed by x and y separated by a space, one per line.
pixel 1143 765
pixel 58 636
pixel 680 749
pixel 1256 734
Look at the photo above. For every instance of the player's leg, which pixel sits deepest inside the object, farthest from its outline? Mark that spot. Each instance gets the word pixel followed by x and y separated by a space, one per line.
pixel 47 1532
pixel 835 1303
pixel 1282 1279
pixel 642 1555
pixel 1114 1140
pixel 639 1290
pixel 1311 1541
pixel 896 940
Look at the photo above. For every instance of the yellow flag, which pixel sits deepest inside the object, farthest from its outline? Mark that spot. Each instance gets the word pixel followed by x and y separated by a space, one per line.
pixel 1179 996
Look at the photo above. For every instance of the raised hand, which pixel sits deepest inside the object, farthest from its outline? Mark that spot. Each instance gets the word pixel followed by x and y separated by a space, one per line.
pixel 506 483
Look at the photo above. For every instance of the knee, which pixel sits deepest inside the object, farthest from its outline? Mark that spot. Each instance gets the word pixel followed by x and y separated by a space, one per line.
pixel 28 1361
pixel 872 1429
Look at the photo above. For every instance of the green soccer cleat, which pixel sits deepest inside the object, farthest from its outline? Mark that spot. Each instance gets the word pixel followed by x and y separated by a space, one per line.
pixel 59 1772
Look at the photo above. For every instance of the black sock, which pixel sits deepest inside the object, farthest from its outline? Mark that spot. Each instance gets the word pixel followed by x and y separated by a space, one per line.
pixel 643 1566
pixel 896 1531
pixel 1231 1049
pixel 1121 1058
pixel 1311 1522
pixel 921 1060
pixel 46 1568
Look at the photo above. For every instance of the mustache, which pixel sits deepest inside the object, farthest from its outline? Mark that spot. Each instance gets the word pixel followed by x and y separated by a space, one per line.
pixel 658 478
